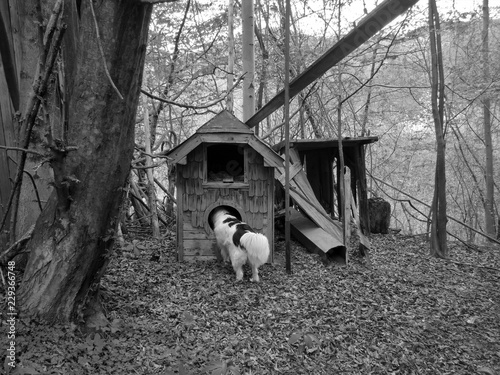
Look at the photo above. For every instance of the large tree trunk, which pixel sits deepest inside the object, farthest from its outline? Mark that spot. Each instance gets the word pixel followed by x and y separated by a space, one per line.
pixel 380 215
pixel 74 233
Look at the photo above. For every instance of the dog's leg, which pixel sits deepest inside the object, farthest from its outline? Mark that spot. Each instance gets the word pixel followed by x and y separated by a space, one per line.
pixel 223 250
pixel 255 273
pixel 238 259
pixel 239 273
pixel 224 253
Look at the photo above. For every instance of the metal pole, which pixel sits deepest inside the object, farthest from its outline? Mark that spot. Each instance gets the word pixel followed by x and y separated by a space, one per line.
pixel 287 139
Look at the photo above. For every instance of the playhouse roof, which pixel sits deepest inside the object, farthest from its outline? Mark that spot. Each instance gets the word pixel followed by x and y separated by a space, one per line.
pixel 224 128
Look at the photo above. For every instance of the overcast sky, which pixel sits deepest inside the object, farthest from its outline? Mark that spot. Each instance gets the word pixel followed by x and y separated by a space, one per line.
pixel 355 11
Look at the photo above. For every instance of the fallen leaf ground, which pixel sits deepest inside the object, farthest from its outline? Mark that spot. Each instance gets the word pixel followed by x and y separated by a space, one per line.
pixel 400 312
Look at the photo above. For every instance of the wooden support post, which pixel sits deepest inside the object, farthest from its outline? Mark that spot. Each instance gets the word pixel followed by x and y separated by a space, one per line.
pixel 347 211
pixel 364 217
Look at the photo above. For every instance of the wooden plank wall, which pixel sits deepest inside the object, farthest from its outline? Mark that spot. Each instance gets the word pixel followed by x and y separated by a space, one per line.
pixel 319 170
pixel 9 13
pixel 7 169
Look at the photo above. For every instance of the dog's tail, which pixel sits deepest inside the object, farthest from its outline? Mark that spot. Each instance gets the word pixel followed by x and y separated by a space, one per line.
pixel 257 247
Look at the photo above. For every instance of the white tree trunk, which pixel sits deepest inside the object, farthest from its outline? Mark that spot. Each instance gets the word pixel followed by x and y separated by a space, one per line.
pixel 248 58
pixel 230 56
pixel 149 173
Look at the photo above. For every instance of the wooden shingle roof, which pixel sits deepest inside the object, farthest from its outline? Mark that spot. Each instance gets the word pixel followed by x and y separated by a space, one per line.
pixel 224 122
pixel 224 128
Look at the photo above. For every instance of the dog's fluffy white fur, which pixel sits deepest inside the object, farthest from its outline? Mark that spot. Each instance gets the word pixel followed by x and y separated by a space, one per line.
pixel 238 242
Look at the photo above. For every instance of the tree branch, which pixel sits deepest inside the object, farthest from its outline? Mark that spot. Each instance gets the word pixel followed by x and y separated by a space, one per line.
pixel 16 248
pixel 157 1
pixel 188 106
pixel 378 68
pixel 428 206
pixel 102 52
pixel 27 151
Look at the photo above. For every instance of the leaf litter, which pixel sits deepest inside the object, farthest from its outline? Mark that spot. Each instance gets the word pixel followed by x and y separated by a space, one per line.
pixel 399 311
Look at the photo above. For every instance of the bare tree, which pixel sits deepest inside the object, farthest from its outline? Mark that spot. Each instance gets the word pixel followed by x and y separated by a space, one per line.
pixel 438 210
pixel 489 211
pixel 230 55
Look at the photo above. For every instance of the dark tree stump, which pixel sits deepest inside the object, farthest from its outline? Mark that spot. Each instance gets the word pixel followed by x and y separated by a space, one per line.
pixel 380 215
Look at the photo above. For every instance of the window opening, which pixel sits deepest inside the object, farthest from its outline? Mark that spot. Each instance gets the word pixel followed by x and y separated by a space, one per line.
pixel 226 163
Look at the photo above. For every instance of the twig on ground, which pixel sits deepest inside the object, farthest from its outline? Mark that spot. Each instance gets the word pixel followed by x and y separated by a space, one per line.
pixel 472 265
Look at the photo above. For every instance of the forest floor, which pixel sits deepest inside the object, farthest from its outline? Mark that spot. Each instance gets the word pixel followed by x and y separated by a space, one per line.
pixel 398 312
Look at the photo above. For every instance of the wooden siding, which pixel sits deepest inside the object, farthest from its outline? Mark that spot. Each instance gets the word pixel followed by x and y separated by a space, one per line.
pixel 180 216
pixel 252 197
pixel 255 200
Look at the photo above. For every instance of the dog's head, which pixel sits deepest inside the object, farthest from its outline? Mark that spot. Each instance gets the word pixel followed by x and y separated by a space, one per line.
pixel 217 216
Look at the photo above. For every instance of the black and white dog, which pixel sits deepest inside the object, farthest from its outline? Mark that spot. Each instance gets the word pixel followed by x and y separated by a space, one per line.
pixel 238 242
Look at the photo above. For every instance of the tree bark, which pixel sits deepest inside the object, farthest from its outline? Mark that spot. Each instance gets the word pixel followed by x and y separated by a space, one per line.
pixel 74 233
pixel 380 215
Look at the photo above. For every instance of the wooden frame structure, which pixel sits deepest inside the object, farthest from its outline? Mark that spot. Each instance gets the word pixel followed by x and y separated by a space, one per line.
pixel 318 157
pixel 222 164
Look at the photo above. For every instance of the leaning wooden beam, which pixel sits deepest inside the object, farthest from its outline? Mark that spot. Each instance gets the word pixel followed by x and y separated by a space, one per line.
pixel 375 21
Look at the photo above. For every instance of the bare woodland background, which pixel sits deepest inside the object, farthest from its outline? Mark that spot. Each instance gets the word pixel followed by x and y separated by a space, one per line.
pixel 81 137
pixel 386 85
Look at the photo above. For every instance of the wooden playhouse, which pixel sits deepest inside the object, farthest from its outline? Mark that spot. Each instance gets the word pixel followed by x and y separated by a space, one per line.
pixel 222 164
